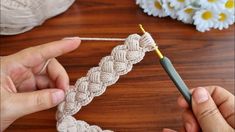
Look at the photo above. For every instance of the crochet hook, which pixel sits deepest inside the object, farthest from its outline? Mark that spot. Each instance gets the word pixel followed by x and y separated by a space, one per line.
pixel 173 74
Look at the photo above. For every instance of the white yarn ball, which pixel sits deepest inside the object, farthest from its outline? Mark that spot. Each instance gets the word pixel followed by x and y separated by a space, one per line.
pixel 18 16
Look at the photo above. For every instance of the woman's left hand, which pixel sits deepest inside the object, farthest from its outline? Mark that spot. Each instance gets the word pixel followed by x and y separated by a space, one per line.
pixel 26 87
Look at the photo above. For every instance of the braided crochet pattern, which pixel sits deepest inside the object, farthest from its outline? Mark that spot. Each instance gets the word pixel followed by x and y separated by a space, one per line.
pixel 96 81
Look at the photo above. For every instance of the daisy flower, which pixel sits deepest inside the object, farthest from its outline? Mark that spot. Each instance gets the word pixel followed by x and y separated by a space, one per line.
pixel 179 4
pixel 204 14
pixel 186 15
pixel 154 7
pixel 140 3
pixel 229 4
pixel 212 4
pixel 169 10
pixel 225 19
pixel 205 19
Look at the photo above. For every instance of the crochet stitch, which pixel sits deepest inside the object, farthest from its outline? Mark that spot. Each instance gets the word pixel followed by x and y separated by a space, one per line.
pixel 94 84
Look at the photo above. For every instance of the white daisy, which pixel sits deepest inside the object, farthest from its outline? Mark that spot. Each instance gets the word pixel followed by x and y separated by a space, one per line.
pixel 154 7
pixel 179 4
pixel 169 10
pixel 212 4
pixel 205 19
pixel 186 15
pixel 225 19
pixel 229 4
pixel 205 14
pixel 140 3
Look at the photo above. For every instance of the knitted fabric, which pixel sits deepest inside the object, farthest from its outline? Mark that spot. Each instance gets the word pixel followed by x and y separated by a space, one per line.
pixel 18 16
pixel 120 62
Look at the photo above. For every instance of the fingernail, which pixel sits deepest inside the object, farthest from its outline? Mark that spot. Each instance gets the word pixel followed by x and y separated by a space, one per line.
pixel 71 38
pixel 58 96
pixel 188 127
pixel 200 95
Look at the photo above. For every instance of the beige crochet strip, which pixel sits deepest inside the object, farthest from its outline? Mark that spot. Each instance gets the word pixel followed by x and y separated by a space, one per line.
pixel 94 84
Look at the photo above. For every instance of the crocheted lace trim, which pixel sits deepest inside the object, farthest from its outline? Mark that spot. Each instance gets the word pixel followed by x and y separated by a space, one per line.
pixel 98 78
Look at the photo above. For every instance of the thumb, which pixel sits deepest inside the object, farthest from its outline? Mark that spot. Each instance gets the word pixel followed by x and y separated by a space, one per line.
pixel 26 103
pixel 207 113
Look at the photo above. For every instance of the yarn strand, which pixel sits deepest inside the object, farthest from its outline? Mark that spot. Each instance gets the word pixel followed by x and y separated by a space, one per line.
pixel 102 39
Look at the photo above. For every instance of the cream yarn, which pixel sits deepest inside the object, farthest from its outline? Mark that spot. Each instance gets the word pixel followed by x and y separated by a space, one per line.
pixel 94 84
pixel 18 16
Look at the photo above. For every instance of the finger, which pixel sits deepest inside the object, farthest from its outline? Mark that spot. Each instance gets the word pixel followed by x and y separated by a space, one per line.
pixel 43 82
pixel 30 102
pixel 190 122
pixel 224 100
pixel 34 56
pixel 168 130
pixel 206 112
pixel 182 102
pixel 58 75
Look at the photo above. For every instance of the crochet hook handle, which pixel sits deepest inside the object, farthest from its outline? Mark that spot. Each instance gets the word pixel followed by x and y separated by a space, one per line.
pixel 175 77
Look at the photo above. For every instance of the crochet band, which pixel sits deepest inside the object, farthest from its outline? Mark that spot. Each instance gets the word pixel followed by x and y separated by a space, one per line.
pixel 98 78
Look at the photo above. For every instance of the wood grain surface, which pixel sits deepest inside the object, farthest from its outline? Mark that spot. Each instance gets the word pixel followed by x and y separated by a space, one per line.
pixel 144 99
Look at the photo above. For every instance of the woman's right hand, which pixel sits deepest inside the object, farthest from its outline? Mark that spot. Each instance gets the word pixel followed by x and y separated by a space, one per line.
pixel 212 111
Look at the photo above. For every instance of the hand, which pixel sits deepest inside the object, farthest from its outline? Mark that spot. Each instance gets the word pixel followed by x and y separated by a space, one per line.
pixel 212 111
pixel 25 88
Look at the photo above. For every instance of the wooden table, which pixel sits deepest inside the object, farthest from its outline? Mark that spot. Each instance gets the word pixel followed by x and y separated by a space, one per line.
pixel 145 98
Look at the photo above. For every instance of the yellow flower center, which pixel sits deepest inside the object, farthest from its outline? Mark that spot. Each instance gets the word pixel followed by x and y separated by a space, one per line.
pixel 180 1
pixel 222 17
pixel 169 6
pixel 207 15
pixel 158 5
pixel 229 4
pixel 212 1
pixel 189 10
